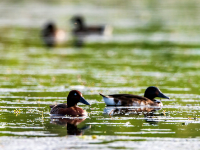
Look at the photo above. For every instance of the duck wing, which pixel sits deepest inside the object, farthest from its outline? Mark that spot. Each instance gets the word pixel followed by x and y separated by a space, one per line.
pixel 56 108
pixel 128 96
pixel 62 109
pixel 130 100
pixel 59 105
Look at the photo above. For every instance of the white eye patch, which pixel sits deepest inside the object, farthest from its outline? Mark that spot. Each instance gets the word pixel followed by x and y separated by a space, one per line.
pixel 75 94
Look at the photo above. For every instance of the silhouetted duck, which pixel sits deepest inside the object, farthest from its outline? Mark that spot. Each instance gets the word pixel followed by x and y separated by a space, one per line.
pixel 135 100
pixel 81 29
pixel 70 109
pixel 51 35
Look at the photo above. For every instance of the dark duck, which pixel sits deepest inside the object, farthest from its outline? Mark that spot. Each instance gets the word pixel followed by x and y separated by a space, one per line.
pixel 71 108
pixel 52 36
pixel 81 29
pixel 135 100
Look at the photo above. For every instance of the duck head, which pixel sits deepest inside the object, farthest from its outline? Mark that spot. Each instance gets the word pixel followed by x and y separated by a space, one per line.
pixel 74 97
pixel 50 27
pixel 78 22
pixel 152 92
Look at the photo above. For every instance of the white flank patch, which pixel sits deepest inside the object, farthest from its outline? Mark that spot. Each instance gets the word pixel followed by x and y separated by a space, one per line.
pixel 110 101
pixel 85 113
pixel 108 30
pixel 142 104
pixel 161 104
pixel 60 36
pixel 136 103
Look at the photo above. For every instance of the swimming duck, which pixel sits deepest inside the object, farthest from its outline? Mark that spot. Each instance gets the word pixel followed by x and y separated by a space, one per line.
pixel 70 109
pixel 135 100
pixel 51 35
pixel 81 29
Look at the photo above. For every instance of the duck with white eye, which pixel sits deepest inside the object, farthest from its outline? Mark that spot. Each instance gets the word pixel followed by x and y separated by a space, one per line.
pixel 70 109
pixel 135 100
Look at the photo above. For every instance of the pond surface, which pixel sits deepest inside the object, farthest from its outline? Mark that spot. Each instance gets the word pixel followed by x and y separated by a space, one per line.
pixel 154 43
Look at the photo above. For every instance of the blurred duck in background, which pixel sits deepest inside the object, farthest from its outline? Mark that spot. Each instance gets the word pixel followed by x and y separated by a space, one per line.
pixel 81 30
pixel 52 36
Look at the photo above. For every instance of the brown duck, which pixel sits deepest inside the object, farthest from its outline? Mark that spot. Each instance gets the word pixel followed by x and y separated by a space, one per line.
pixel 71 108
pixel 135 100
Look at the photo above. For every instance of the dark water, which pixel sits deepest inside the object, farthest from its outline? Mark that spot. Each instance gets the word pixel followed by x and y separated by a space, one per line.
pixel 154 43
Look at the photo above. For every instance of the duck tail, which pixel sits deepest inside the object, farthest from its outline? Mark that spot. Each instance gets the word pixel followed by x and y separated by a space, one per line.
pixel 51 106
pixel 102 95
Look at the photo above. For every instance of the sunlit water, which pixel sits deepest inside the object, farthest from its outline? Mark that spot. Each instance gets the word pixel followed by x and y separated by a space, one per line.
pixel 153 44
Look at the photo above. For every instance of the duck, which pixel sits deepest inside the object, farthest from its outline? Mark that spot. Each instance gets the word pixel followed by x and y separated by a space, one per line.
pixel 81 29
pixel 70 108
pixel 135 100
pixel 51 36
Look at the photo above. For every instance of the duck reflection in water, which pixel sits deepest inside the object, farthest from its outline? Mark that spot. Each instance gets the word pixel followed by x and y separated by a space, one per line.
pixel 148 112
pixel 71 124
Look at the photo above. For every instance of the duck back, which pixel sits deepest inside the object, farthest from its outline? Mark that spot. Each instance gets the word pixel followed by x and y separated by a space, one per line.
pixel 130 100
pixel 62 109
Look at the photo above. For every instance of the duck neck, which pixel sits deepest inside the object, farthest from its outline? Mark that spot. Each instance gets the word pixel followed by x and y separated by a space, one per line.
pixel 149 97
pixel 71 104
pixel 80 25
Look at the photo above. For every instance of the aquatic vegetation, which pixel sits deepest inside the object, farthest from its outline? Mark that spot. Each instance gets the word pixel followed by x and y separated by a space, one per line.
pixel 17 112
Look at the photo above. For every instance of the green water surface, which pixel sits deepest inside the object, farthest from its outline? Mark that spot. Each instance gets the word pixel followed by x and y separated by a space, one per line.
pixel 154 43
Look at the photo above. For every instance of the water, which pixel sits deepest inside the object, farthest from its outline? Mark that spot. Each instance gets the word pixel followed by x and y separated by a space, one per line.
pixel 154 44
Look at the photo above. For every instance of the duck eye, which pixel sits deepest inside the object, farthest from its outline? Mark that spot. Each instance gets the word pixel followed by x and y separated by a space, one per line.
pixel 75 94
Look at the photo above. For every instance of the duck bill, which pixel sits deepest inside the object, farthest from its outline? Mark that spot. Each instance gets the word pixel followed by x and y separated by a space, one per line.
pixel 82 100
pixel 161 95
